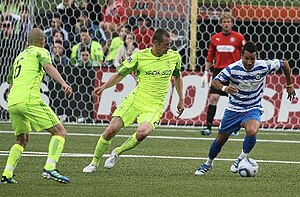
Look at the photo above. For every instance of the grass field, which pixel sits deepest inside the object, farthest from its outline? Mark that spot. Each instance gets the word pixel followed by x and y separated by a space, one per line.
pixel 163 165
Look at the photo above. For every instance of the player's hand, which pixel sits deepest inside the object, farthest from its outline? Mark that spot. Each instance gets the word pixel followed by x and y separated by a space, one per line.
pixel 291 93
pixel 97 91
pixel 180 107
pixel 204 79
pixel 67 89
pixel 231 90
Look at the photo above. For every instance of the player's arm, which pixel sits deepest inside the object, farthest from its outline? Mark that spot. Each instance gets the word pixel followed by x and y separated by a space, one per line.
pixel 179 89
pixel 113 80
pixel 289 85
pixel 10 78
pixel 128 65
pixel 54 74
pixel 228 89
pixel 208 63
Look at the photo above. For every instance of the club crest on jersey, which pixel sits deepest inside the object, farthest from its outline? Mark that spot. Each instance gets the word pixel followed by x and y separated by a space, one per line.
pixel 232 39
pixel 257 77
pixel 168 64
pixel 129 59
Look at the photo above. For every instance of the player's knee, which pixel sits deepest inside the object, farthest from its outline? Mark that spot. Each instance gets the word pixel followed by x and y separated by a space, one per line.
pixel 22 140
pixel 251 132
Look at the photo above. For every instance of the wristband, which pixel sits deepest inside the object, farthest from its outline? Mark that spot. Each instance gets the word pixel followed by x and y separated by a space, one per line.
pixel 206 73
pixel 289 86
pixel 223 88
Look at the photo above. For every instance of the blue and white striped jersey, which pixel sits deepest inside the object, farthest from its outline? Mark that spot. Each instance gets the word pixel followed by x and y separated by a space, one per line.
pixel 250 83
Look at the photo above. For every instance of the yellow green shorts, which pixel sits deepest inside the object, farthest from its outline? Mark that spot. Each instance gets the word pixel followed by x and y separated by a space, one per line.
pixel 129 111
pixel 38 115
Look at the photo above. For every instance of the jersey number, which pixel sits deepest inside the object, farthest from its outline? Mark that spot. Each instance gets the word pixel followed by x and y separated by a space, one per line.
pixel 17 69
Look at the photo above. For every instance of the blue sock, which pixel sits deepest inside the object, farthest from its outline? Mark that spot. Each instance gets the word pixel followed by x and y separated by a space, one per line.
pixel 249 143
pixel 214 150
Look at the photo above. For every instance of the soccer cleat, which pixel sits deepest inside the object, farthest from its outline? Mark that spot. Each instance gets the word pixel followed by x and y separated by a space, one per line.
pixel 235 166
pixel 203 169
pixel 54 174
pixel 206 131
pixel 90 168
pixel 5 180
pixel 236 133
pixel 111 161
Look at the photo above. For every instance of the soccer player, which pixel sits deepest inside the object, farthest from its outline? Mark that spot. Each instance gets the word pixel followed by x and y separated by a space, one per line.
pixel 247 77
pixel 225 48
pixel 26 107
pixel 155 68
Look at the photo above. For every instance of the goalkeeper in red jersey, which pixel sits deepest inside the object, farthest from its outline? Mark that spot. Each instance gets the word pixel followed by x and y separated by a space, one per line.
pixel 225 48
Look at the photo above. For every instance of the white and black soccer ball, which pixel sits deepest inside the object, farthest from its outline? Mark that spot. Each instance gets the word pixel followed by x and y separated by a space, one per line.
pixel 248 167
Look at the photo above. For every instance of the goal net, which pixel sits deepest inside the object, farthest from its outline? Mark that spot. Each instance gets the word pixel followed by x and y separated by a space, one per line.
pixel 272 25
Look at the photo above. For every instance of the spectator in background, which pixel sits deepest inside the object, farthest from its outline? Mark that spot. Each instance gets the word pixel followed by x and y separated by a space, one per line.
pixel 8 7
pixel 143 33
pixel 21 20
pixel 94 10
pixel 126 50
pixel 114 17
pixel 55 23
pixel 115 45
pixel 96 32
pixel 85 59
pixel 58 35
pixel 58 53
pixel 69 12
pixel 94 47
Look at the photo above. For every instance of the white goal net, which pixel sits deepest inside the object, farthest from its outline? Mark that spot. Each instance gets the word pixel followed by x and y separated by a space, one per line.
pixel 273 25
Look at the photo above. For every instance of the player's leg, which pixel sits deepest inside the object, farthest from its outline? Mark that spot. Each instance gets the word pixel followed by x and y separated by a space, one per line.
pixel 251 123
pixel 231 121
pixel 42 117
pixel 55 149
pixel 211 112
pixel 21 126
pixel 103 143
pixel 147 122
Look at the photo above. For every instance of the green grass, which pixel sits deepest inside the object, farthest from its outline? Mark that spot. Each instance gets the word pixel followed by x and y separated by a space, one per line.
pixel 157 176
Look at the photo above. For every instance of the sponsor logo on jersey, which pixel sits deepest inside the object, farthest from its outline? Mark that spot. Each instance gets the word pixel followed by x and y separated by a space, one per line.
pixel 158 72
pixel 129 59
pixel 257 77
pixel 225 48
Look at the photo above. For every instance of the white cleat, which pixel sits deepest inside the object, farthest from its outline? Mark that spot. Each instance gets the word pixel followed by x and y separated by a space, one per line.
pixel 90 168
pixel 111 161
pixel 235 166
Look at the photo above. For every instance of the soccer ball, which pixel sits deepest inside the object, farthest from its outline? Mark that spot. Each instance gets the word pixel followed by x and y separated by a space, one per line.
pixel 248 167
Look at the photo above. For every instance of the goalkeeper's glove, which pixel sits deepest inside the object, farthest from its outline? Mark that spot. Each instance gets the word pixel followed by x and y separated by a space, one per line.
pixel 204 79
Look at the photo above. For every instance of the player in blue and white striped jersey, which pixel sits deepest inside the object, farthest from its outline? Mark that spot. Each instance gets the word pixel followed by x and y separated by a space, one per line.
pixel 246 79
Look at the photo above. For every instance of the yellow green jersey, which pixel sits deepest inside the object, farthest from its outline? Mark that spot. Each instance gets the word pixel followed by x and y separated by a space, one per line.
pixel 153 75
pixel 27 74
pixel 116 43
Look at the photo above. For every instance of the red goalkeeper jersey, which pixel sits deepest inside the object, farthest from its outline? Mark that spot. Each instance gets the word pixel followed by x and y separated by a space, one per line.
pixel 225 49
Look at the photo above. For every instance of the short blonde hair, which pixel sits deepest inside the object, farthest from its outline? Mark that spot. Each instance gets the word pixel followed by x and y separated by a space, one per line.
pixel 226 15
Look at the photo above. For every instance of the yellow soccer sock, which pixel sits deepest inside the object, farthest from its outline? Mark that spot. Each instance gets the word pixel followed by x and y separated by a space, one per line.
pixel 56 146
pixel 101 147
pixel 130 143
pixel 12 160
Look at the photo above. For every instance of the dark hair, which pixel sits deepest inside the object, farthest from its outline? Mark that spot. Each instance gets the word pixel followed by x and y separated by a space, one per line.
pixel 54 31
pixel 250 47
pixel 84 29
pixel 84 48
pixel 159 34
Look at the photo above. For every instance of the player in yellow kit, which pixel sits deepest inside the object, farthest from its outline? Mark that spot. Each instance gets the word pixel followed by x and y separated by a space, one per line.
pixel 154 68
pixel 26 107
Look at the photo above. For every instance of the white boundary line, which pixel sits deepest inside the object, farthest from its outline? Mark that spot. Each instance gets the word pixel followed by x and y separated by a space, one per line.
pixel 79 155
pixel 166 137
